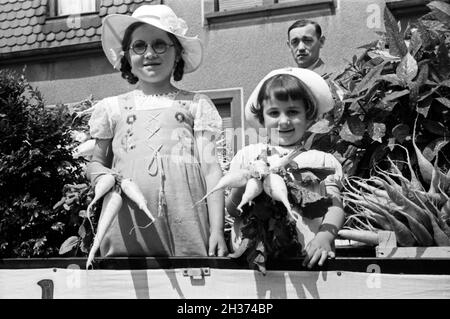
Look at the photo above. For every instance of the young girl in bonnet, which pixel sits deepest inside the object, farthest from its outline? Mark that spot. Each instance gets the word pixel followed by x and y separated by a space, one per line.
pixel 160 137
pixel 286 102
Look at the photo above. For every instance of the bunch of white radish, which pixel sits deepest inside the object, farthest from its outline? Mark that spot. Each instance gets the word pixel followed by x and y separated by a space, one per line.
pixel 112 203
pixel 259 176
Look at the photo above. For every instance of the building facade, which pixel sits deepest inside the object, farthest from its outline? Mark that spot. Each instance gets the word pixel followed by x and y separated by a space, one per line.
pixel 56 43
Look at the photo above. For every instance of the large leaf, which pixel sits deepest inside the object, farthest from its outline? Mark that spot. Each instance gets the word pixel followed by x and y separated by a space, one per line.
pixel 443 101
pixel 69 244
pixel 425 35
pixel 392 79
pixel 347 134
pixel 377 131
pixel 436 128
pixel 395 95
pixel 367 46
pixel 441 11
pixel 401 132
pixel 395 39
pixel 356 125
pixel 407 69
pixel 424 106
pixel 369 80
pixel 320 127
pixel 415 43
pixel 431 150
pixel 443 59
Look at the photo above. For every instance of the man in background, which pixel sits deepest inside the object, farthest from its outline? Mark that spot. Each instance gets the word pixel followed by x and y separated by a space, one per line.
pixel 305 40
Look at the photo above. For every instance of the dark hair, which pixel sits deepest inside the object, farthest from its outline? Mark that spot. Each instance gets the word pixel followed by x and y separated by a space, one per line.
pixel 284 87
pixel 302 23
pixel 125 66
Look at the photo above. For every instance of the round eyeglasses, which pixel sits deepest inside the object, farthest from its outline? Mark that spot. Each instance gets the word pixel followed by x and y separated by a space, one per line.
pixel 159 46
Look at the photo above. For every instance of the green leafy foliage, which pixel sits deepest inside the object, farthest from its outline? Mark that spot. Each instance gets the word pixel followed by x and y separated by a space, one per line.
pixel 36 163
pixel 402 77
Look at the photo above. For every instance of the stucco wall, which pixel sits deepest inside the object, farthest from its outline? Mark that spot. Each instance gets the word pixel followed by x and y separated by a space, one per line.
pixel 237 56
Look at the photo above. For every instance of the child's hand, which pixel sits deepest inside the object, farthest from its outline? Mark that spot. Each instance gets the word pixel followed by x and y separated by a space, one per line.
pixel 217 242
pixel 319 249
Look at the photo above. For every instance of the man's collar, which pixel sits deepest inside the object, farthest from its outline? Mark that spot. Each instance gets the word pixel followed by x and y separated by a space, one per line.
pixel 315 64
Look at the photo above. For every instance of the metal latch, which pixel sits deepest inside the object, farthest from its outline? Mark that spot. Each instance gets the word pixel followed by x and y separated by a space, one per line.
pixel 196 273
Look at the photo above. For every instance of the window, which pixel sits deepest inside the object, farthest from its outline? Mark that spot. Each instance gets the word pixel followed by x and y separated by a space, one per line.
pixel 224 11
pixel 58 8
pixel 407 11
pixel 229 104
pixel 227 5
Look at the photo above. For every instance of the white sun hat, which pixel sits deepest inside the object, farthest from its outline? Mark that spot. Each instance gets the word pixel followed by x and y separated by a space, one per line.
pixel 314 82
pixel 159 16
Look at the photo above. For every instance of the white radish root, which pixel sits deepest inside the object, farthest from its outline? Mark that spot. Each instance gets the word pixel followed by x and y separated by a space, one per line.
pixel 276 188
pixel 131 189
pixel 235 179
pixel 111 207
pixel 259 169
pixel 103 186
pixel 253 188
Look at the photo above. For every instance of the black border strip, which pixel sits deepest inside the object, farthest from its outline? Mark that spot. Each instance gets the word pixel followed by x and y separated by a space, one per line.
pixel 426 266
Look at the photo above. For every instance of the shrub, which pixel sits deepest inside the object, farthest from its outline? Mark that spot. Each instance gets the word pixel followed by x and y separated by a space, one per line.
pixel 35 164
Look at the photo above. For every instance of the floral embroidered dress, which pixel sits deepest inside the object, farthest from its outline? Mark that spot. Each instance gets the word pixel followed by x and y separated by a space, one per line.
pixel 153 144
pixel 307 225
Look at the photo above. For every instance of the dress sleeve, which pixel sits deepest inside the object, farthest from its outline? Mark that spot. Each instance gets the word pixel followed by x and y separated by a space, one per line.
pixel 245 156
pixel 100 123
pixel 237 161
pixel 336 178
pixel 206 116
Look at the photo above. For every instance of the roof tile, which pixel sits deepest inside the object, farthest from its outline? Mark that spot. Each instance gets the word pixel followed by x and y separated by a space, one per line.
pixel 40 37
pixel 122 9
pixel 22 40
pixel 17 6
pixel 11 41
pixel 24 24
pixel 70 34
pixel 7 7
pixel 112 10
pixel 50 37
pixel 18 32
pixel 14 24
pixel 32 38
pixel 20 14
pixel 26 5
pixel 29 13
pixel 90 32
pixel 60 35
pixel 37 3
pixel 6 49
pixel 33 21
pixel 101 12
pixel 11 15
pixel 37 28
pixel 80 33
pixel 27 30
pixel 40 11
pixel 8 33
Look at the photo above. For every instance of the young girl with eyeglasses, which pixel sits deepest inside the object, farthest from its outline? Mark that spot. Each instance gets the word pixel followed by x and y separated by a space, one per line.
pixel 160 137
